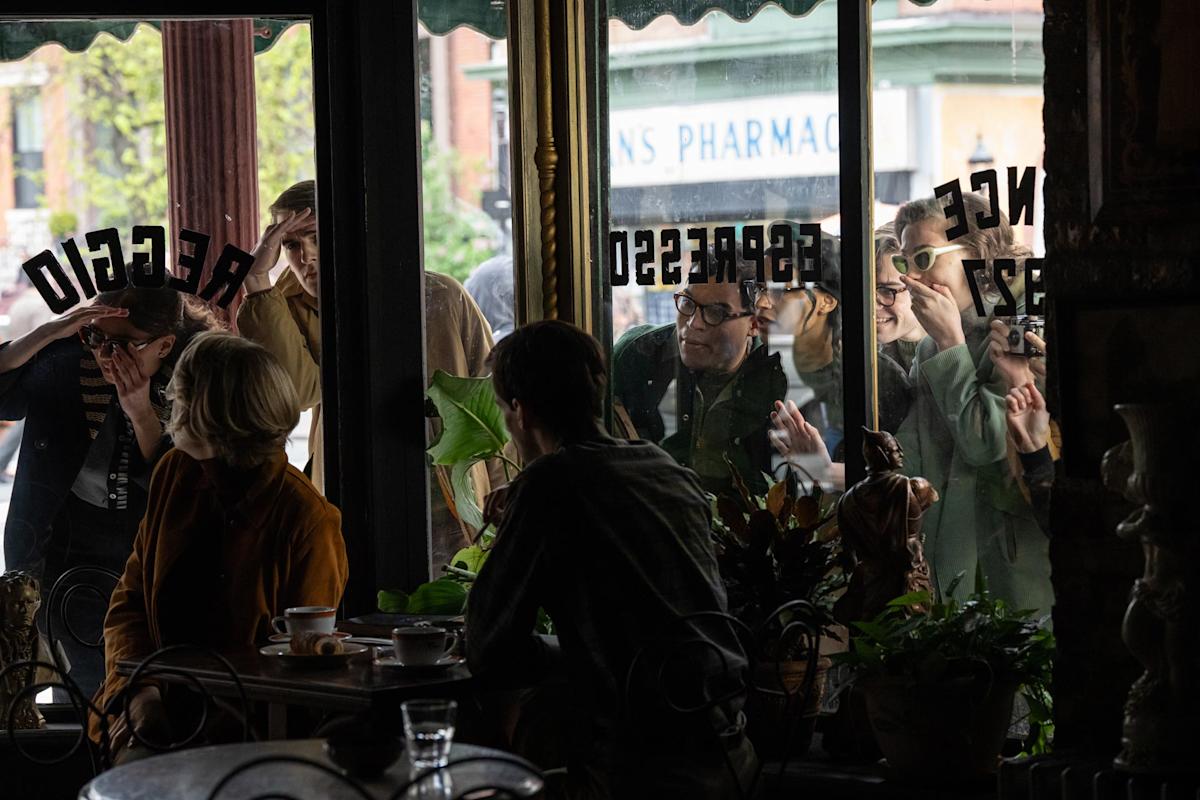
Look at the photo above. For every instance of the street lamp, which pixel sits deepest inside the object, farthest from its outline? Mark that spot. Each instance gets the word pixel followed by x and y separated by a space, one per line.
pixel 981 158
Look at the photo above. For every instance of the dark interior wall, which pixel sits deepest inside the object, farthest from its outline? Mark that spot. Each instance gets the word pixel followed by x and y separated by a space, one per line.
pixel 1121 278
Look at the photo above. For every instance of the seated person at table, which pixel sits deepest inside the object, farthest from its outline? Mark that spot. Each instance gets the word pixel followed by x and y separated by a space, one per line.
pixel 611 538
pixel 232 535
pixel 711 374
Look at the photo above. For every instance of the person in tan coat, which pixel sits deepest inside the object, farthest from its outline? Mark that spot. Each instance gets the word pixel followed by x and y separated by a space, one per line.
pixel 233 535
pixel 285 319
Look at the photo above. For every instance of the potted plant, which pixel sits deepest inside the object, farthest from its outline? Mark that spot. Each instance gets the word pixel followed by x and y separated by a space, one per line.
pixel 939 685
pixel 773 550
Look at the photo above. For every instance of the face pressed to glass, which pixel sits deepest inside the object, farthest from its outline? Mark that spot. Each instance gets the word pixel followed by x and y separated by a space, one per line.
pixel 947 269
pixel 110 332
pixel 300 250
pixel 713 348
pixel 894 318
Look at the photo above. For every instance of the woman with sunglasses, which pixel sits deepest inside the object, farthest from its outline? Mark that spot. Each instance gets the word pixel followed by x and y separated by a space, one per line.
pixel 90 386
pixel 955 434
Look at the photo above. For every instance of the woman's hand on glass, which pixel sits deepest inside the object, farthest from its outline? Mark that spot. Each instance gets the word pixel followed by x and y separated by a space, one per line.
pixel 70 323
pixel 1028 418
pixel 793 435
pixel 937 311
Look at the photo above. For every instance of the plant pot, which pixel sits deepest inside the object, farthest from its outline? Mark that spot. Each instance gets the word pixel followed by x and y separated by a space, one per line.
pixel 778 725
pixel 948 732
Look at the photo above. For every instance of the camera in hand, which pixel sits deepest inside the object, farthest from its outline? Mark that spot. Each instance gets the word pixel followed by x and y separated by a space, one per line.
pixel 1017 343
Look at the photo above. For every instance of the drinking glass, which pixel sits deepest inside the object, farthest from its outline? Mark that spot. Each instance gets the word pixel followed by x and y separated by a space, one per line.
pixel 429 728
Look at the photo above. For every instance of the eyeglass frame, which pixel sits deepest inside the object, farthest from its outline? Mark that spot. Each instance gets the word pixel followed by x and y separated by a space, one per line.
pixel 900 261
pixel 727 315
pixel 888 289
pixel 110 341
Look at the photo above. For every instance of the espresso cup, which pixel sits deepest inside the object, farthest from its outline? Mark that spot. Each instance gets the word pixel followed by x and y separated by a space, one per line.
pixel 306 619
pixel 422 646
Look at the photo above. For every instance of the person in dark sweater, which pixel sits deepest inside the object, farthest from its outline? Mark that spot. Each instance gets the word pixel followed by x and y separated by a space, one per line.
pixel 611 539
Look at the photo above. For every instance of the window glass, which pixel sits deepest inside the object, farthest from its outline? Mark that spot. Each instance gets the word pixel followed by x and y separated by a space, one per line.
pixel 466 207
pixel 967 76
pixel 723 144
pixel 139 140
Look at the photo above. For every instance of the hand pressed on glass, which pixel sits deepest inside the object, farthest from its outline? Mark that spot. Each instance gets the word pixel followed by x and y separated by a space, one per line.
pixel 1028 418
pixel 794 437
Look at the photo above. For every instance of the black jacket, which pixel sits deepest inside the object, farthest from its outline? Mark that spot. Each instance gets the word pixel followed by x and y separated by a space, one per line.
pixel 46 392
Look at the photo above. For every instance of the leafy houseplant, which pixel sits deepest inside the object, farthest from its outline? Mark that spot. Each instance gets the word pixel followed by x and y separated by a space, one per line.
pixel 773 550
pixel 939 686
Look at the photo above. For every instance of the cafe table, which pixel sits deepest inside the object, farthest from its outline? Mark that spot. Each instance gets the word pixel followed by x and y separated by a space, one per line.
pixel 359 686
pixel 194 774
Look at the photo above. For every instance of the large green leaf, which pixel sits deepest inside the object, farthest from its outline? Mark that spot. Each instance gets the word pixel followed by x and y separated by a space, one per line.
pixel 470 558
pixel 464 494
pixel 443 596
pixel 472 423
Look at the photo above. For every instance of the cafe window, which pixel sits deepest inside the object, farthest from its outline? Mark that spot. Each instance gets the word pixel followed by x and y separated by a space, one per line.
pixel 27 139
pixel 467 233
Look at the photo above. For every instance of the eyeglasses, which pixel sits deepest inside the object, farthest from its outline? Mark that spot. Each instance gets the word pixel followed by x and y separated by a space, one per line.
pixel 711 314
pixel 96 339
pixel 886 295
pixel 923 258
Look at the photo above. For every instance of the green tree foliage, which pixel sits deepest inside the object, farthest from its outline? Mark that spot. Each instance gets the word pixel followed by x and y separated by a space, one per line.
pixel 122 170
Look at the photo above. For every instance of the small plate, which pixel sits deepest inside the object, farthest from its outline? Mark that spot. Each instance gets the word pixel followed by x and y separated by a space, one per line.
pixel 287 637
pixel 445 662
pixel 283 652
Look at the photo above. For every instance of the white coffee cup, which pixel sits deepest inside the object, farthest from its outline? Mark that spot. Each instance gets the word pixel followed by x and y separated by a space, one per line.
pixel 422 645
pixel 306 619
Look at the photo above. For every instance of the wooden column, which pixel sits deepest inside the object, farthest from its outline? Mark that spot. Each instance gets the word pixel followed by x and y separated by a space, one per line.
pixel 212 153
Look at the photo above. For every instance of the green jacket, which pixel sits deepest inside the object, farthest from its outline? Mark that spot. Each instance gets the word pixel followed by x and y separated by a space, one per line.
pixel 956 436
pixel 646 365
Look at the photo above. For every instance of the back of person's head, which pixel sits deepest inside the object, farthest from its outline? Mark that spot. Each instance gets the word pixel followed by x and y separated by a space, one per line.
pixel 295 198
pixel 557 372
pixel 234 395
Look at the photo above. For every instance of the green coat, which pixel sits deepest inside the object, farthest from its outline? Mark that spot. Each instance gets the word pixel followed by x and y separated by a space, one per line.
pixel 956 436
pixel 646 365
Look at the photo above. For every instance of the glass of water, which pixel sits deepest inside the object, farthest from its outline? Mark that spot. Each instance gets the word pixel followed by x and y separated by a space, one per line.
pixel 429 728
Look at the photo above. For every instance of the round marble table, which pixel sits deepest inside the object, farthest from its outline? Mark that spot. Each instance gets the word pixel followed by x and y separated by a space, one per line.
pixel 193 774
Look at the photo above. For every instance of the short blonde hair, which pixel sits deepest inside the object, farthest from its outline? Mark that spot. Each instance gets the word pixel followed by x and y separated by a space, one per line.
pixel 235 396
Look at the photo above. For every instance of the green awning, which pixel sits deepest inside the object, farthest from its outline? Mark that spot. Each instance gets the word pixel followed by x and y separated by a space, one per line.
pixel 19 39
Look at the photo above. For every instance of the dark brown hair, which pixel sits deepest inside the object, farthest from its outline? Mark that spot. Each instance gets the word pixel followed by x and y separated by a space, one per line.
pixel 296 197
pixel 557 371
pixel 162 311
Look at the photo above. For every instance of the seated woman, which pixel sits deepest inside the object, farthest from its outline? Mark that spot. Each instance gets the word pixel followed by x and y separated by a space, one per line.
pixel 232 536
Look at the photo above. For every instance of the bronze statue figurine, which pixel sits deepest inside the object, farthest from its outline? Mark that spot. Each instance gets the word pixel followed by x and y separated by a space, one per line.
pixel 20 597
pixel 880 522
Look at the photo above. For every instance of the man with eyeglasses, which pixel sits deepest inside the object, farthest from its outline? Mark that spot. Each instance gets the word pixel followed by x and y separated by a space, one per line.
pixel 703 386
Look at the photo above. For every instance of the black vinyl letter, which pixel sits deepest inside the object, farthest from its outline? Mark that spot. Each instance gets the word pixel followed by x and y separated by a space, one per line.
pixel 109 270
pixel 618 258
pixel 783 264
pixel 699 271
pixel 643 260
pixel 1021 195
pixel 33 268
pixel 224 276
pixel 809 252
pixel 987 178
pixel 752 250
pixel 1003 268
pixel 192 265
pixel 79 268
pixel 149 270
pixel 955 209
pixel 672 255
pixel 969 267
pixel 1035 287
pixel 725 240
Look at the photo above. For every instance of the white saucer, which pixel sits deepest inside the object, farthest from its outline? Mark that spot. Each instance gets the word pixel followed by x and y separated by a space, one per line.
pixel 283 652
pixel 445 662
pixel 280 638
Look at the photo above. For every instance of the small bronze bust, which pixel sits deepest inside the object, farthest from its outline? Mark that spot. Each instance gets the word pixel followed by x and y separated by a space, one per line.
pixel 20 597
pixel 880 522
